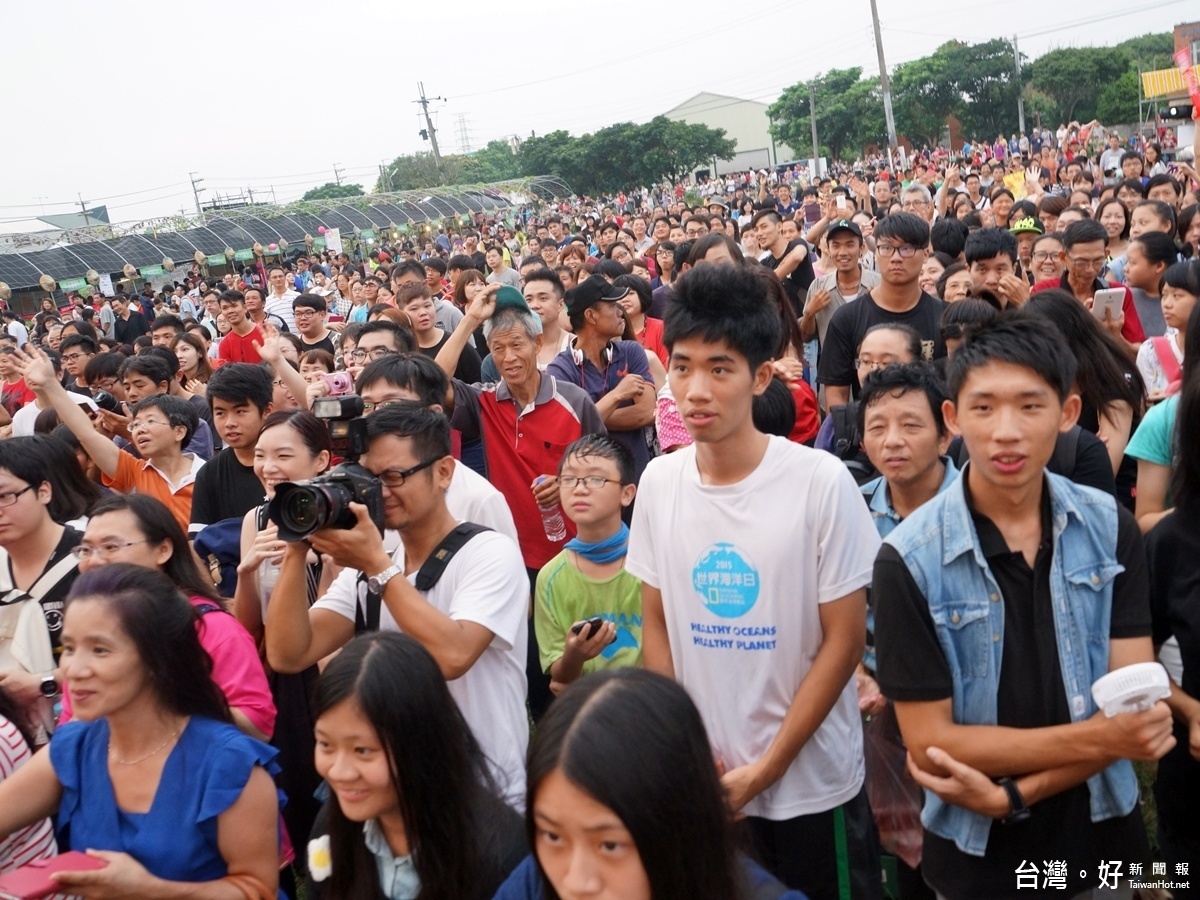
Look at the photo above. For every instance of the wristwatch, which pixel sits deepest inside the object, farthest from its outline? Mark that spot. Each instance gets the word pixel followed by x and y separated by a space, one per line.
pixel 376 583
pixel 1020 812
pixel 48 687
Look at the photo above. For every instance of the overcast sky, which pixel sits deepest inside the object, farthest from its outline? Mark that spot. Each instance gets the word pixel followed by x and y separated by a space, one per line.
pixel 120 100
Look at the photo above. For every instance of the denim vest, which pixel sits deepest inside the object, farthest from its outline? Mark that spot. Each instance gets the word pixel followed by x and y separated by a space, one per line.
pixel 939 546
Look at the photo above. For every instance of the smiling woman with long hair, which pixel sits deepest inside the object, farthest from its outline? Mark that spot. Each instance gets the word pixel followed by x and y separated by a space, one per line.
pixel 153 777
pixel 413 811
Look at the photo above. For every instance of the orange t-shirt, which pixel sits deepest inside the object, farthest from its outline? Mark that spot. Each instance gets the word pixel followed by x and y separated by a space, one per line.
pixel 138 476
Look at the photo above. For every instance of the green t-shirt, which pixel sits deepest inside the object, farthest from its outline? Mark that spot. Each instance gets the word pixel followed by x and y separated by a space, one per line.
pixel 565 596
pixel 1152 440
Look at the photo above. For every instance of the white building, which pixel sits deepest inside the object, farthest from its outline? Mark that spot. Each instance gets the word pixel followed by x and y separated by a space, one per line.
pixel 745 121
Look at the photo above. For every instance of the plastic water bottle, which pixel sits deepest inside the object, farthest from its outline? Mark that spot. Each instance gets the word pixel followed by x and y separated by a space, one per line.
pixel 552 519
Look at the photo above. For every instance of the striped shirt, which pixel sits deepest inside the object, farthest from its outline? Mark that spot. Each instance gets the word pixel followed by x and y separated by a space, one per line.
pixel 36 841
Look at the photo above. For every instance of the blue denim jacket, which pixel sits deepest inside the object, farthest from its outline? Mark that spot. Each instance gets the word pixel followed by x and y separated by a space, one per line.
pixel 939 546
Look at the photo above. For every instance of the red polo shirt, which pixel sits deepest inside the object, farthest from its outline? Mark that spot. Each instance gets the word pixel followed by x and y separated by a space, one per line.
pixel 521 444
pixel 1131 330
pixel 236 348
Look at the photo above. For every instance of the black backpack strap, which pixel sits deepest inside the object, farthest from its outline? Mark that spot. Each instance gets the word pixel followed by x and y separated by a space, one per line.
pixel 207 607
pixel 366 615
pixel 1062 461
pixel 845 429
pixel 435 565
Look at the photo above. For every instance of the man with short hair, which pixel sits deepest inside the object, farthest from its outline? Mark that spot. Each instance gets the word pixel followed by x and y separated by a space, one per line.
pixel 791 260
pixel 244 338
pixel 991 255
pixel 524 421
pixel 901 242
pixel 76 350
pixel 472 621
pixel 695 227
pixel 412 271
pixel 501 272
pixel 309 311
pixel 1084 254
pixel 279 300
pixel 239 395
pixel 1110 160
pixel 165 329
pixel 613 372
pixel 999 604
pixel 256 311
pixel 761 618
pixel 917 199
pixel 130 322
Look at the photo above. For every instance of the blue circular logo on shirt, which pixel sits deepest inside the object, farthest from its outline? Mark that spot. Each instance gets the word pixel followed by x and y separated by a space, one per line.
pixel 726 581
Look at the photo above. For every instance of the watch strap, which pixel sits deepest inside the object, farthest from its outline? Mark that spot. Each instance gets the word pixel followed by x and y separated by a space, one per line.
pixel 1018 810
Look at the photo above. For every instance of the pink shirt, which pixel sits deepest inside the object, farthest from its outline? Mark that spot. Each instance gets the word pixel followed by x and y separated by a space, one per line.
pixel 237 670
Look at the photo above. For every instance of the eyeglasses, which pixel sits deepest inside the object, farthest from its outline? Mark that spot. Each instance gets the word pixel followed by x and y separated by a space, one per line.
pixel 394 478
pixel 83 551
pixel 143 424
pixel 382 404
pixel 72 357
pixel 1043 255
pixel 914 204
pixel 591 482
pixel 10 498
pixel 305 313
pixel 904 251
pixel 872 365
pixel 374 353
pixel 1077 263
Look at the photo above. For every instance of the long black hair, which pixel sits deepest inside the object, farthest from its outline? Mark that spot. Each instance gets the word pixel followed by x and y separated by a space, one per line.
pixel 634 741
pixel 1105 374
pixel 11 710
pixel 1185 475
pixel 447 800
pixel 162 625
pixel 157 524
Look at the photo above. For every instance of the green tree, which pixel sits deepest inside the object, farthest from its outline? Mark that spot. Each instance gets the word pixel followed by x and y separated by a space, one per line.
pixel 846 107
pixel 986 80
pixel 1071 75
pixel 924 96
pixel 1118 101
pixel 331 190
pixel 410 172
pixel 555 153
pixel 1149 51
pixel 672 149
pixel 495 162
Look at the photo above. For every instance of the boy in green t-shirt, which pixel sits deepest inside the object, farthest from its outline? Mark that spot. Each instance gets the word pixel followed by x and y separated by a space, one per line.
pixel 588 609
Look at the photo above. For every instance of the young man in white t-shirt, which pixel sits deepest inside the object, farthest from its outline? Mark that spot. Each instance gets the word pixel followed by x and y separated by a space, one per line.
pixel 472 621
pixel 755 554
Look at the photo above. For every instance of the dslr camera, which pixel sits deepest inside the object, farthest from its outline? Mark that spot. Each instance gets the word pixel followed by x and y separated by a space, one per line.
pixel 301 507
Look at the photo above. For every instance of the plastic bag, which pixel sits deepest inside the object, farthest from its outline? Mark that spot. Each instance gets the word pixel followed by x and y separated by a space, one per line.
pixel 895 798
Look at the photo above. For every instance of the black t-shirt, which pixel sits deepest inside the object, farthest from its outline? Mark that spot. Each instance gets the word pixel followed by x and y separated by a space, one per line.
pixel 125 330
pixel 224 489
pixel 913 668
pixel 796 284
pixel 60 573
pixel 325 343
pixel 467 369
pixel 1173 549
pixel 1126 478
pixel 851 322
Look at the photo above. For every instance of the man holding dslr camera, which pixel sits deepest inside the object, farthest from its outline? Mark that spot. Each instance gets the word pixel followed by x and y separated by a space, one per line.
pixel 471 619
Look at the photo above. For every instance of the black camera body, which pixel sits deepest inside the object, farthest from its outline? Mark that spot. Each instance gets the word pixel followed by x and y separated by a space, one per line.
pixel 301 507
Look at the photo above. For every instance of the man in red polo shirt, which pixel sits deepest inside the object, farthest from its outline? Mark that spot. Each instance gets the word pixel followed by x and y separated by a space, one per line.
pixel 244 338
pixel 525 422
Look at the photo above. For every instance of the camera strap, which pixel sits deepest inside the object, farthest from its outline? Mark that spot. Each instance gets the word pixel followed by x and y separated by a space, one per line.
pixel 367 620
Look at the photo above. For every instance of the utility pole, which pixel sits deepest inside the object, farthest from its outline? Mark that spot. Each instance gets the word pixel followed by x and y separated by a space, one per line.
pixel 337 173
pixel 883 82
pixel 196 189
pixel 812 120
pixel 83 207
pixel 1017 78
pixel 429 129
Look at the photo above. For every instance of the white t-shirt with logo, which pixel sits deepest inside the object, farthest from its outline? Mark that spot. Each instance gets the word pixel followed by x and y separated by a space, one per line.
pixel 743 569
pixel 485 583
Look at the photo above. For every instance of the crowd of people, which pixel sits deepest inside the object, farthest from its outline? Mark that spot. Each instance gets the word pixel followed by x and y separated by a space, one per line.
pixel 756 538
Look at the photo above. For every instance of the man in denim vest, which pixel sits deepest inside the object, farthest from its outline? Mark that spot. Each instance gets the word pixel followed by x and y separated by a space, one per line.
pixel 999 603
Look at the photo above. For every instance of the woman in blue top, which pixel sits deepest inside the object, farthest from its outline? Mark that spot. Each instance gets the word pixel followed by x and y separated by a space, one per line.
pixel 625 801
pixel 152 777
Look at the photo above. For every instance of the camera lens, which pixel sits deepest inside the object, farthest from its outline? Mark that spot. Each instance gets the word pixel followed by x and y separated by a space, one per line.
pixel 301 511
